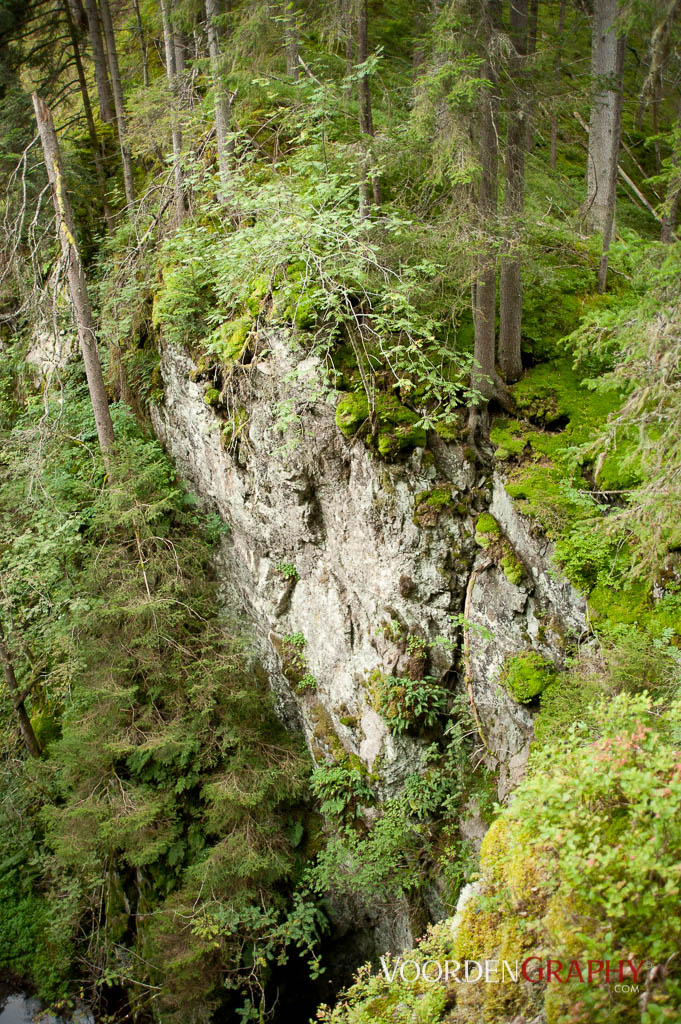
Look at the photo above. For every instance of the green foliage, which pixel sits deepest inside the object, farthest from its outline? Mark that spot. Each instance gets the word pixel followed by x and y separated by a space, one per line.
pixel 171 781
pixel 408 704
pixel 294 662
pixel 341 789
pixel 617 876
pixel 287 570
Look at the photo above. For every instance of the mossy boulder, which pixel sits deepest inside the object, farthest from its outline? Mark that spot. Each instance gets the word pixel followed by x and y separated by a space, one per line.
pixel 527 675
pixel 398 431
pixel 397 427
pixel 351 413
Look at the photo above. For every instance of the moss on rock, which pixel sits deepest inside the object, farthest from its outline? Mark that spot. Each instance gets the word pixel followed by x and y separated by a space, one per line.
pixel 487 530
pixel 397 432
pixel 527 675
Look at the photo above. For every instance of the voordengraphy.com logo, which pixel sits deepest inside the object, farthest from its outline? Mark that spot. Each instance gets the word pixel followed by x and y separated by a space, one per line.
pixel 624 973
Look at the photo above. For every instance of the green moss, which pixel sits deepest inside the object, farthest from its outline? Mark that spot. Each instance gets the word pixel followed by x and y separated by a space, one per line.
pixel 620 469
pixel 260 286
pixel 513 568
pixel 397 430
pixel 508 437
pixel 448 430
pixel 227 341
pixel 620 606
pixel 487 530
pixel 431 504
pixel 212 396
pixel 296 301
pixel 564 414
pixel 527 675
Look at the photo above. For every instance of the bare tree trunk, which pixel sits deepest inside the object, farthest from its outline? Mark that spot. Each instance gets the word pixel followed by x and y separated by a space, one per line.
pixel 556 73
pixel 180 47
pixel 291 38
pixel 106 103
pixel 171 73
pixel 112 54
pixel 608 227
pixel 23 721
pixel 366 120
pixel 143 43
pixel 76 276
pixel 510 277
pixel 484 378
pixel 223 110
pixel 92 131
pixel 484 285
pixel 607 65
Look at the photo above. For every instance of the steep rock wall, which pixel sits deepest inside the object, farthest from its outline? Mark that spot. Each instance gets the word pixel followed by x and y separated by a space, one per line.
pixel 375 564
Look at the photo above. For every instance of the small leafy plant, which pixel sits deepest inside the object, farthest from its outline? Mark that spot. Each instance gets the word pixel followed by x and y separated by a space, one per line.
pixel 287 570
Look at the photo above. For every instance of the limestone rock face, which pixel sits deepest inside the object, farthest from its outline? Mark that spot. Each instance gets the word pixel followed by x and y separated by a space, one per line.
pixel 353 556
pixel 296 493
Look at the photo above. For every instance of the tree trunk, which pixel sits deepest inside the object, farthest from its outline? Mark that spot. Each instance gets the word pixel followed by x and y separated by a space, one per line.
pixel 180 47
pixel 607 66
pixel 510 278
pixel 484 377
pixel 366 120
pixel 291 38
pixel 484 282
pixel 171 73
pixel 143 43
pixel 112 55
pixel 106 103
pixel 556 78
pixel 222 104
pixel 76 276
pixel 23 721
pixel 92 131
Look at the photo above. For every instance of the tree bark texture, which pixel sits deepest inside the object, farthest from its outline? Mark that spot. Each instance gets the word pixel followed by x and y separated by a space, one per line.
pixel 92 131
pixel 607 66
pixel 76 275
pixel 366 119
pixel 23 721
pixel 510 278
pixel 143 43
pixel 171 73
pixel 291 39
pixel 220 94
pixel 112 54
pixel 104 94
